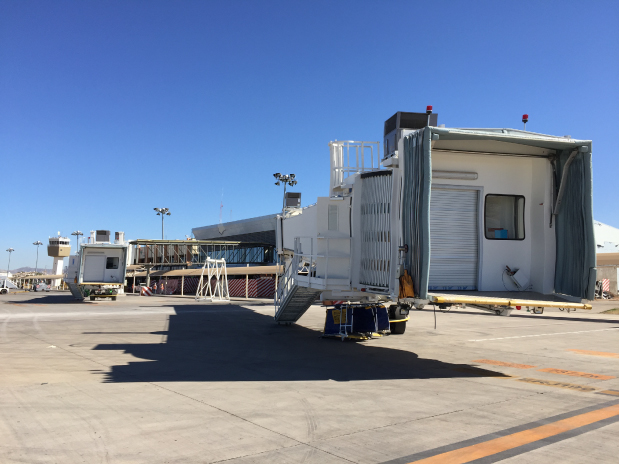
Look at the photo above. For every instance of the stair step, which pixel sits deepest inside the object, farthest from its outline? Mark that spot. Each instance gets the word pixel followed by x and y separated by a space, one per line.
pixel 75 291
pixel 294 304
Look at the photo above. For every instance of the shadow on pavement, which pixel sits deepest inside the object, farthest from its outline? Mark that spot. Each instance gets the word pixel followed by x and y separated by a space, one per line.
pixel 230 343
pixel 44 299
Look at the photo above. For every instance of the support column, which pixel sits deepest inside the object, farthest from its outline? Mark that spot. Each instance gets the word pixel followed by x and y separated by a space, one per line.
pixel 182 285
pixel 247 285
pixel 148 275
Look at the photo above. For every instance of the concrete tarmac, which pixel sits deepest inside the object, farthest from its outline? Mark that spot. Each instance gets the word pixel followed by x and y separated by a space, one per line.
pixel 169 380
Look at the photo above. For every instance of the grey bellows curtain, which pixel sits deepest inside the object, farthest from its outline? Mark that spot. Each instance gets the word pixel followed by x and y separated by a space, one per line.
pixel 575 271
pixel 417 178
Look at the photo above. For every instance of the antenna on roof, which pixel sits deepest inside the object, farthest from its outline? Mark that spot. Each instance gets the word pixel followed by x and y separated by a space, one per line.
pixel 221 205
pixel 525 120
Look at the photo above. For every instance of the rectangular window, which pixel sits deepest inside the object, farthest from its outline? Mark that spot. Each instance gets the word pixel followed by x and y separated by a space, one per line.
pixel 504 217
pixel 332 225
pixel 112 263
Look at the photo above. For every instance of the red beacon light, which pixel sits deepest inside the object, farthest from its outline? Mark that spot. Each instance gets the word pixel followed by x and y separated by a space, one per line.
pixel 429 109
pixel 525 120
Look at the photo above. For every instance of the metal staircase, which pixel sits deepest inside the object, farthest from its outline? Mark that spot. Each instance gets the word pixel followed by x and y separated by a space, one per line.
pixel 292 300
pixel 9 283
pixel 75 291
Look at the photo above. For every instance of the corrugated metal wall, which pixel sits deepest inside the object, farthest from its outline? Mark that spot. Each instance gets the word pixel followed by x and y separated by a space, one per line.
pixel 376 229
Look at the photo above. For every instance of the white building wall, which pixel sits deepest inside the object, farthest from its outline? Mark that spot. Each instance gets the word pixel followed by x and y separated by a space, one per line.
pixel 507 175
pixel 300 225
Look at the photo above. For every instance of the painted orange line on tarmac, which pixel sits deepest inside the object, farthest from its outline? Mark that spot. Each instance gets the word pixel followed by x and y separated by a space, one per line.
pixel 502 363
pixel 610 392
pixel 551 383
pixel 498 445
pixel 577 374
pixel 597 353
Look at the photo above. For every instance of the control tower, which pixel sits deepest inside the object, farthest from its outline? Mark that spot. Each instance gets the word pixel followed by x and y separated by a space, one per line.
pixel 58 248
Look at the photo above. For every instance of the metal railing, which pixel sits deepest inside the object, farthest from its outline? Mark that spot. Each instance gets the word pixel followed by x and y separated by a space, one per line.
pixel 286 283
pixel 303 266
pixel 196 252
pixel 349 157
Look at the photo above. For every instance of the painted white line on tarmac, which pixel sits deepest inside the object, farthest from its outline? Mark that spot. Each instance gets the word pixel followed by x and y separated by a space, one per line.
pixel 543 335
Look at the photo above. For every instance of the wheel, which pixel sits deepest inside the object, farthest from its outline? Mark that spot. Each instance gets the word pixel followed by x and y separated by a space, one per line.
pixel 113 298
pixel 397 328
pixel 538 310
pixel 498 312
pixel 4 291
pixel 92 298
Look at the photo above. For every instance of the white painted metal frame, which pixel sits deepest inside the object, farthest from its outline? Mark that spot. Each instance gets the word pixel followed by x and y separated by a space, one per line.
pixel 286 282
pixel 341 166
pixel 215 268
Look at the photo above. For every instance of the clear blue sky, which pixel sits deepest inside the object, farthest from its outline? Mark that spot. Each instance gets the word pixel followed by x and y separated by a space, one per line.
pixel 111 108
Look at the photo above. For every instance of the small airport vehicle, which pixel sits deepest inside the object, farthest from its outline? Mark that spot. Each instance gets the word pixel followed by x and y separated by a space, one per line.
pixel 41 287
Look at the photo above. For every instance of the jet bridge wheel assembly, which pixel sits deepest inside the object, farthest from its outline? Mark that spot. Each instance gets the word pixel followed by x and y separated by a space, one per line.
pixel 102 293
pixel 398 317
pixel 356 321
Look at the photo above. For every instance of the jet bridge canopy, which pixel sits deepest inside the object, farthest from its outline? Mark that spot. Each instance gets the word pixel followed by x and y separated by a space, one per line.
pixel 572 210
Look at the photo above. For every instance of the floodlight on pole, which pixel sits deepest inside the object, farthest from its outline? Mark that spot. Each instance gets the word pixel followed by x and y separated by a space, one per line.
pixel 10 250
pixel 36 267
pixel 162 212
pixel 77 234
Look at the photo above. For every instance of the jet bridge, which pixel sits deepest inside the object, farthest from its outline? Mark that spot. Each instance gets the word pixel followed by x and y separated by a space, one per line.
pixel 452 207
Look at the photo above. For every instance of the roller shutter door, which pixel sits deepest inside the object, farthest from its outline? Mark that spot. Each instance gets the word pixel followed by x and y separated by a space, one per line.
pixel 94 268
pixel 454 239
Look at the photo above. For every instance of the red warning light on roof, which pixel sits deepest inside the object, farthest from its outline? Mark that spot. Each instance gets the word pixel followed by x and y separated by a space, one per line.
pixel 429 109
pixel 525 117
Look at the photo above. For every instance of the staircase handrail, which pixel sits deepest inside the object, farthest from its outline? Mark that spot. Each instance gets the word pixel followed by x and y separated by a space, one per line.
pixel 286 282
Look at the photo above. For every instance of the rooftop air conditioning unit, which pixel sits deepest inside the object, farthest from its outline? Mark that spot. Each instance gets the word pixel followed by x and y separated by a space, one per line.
pixel 293 199
pixel 102 236
pixel 402 120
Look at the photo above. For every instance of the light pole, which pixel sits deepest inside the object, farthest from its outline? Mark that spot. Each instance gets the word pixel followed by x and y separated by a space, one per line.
pixel 10 250
pixel 77 234
pixel 37 243
pixel 286 179
pixel 162 212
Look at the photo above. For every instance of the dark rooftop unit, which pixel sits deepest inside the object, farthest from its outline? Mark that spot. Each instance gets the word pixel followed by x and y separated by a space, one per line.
pixel 403 120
